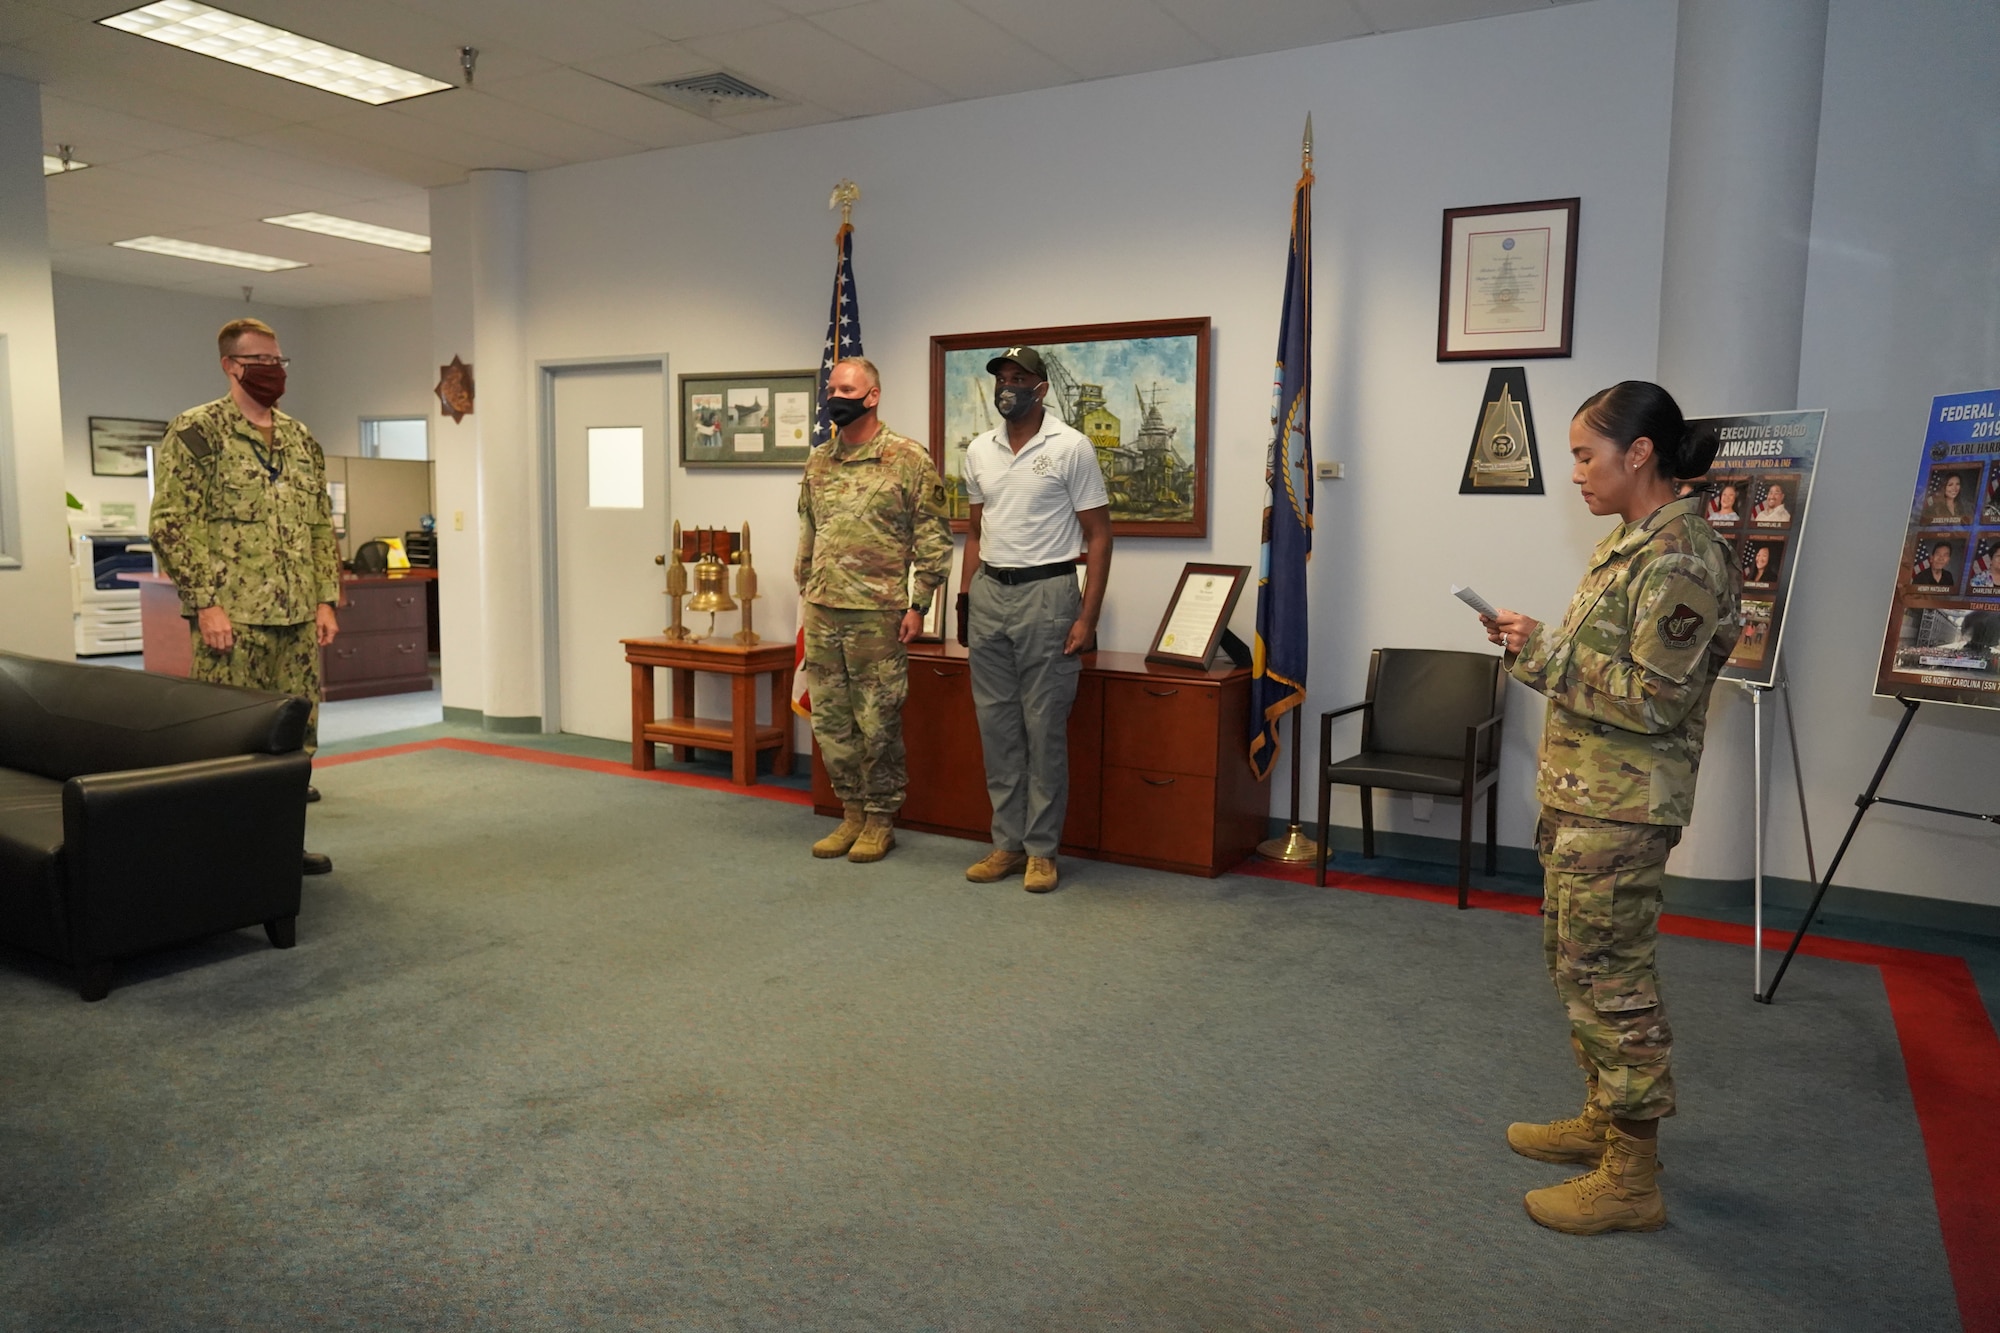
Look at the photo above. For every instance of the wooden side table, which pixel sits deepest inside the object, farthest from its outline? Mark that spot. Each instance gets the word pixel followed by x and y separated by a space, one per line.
pixel 738 733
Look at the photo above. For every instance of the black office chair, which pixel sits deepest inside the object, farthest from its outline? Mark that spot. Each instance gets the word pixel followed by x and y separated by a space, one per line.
pixel 1430 723
pixel 370 558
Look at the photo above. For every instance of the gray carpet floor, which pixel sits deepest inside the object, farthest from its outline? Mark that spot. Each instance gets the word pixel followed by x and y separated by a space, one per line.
pixel 563 1050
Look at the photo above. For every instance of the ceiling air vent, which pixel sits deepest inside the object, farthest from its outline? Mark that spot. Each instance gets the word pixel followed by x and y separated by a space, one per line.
pixel 718 93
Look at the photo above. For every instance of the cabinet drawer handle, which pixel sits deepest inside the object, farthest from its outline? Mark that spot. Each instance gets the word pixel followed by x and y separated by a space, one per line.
pixel 345 652
pixel 1156 782
pixel 406 647
pixel 1162 694
pixel 946 675
pixel 406 601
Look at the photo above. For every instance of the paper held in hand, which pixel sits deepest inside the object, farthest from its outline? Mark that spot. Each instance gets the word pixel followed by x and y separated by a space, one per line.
pixel 1473 600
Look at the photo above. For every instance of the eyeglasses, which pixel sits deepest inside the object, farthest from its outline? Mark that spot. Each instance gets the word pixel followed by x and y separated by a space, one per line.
pixel 262 360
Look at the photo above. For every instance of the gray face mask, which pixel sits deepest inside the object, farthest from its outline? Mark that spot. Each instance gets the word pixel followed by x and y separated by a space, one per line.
pixel 1015 401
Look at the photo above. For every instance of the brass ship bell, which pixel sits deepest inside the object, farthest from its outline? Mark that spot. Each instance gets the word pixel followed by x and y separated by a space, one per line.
pixel 713 550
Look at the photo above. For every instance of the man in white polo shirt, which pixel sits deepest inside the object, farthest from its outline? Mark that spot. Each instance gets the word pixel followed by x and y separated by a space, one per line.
pixel 1038 501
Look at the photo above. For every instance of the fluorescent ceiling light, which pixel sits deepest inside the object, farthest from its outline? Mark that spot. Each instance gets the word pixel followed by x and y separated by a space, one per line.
pixel 347 229
pixel 208 254
pixel 56 166
pixel 240 41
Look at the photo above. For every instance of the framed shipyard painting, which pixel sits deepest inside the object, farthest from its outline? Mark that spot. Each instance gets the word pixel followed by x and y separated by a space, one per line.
pixel 1137 391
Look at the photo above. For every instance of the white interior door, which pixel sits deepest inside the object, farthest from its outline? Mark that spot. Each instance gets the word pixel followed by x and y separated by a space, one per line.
pixel 610 521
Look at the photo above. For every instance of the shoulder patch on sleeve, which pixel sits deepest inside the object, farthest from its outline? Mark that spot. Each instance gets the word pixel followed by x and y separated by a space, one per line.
pixel 195 441
pixel 1673 634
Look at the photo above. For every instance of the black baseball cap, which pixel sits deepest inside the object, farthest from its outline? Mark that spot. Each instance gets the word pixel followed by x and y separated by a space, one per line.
pixel 1027 358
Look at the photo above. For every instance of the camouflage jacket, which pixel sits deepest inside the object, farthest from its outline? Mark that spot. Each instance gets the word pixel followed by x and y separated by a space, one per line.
pixel 230 534
pixel 868 516
pixel 1629 672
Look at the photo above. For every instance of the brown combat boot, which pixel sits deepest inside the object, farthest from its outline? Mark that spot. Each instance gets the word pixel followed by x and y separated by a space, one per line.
pixel 995 866
pixel 878 835
pixel 1579 1139
pixel 1041 876
pixel 1620 1195
pixel 837 842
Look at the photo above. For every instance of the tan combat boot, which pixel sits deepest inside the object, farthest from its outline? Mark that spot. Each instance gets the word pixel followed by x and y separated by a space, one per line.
pixel 878 835
pixel 1620 1195
pixel 1041 876
pixel 837 842
pixel 1579 1139
pixel 995 866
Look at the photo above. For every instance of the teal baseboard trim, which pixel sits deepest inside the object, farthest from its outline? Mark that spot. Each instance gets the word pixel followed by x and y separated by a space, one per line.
pixel 1785 900
pixel 472 717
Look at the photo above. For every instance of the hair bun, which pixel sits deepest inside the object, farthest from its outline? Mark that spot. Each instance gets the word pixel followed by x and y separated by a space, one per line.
pixel 1697 451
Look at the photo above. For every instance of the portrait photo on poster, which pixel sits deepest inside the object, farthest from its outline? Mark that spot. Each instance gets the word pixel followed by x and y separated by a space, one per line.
pixel 1942 640
pixel 1755 495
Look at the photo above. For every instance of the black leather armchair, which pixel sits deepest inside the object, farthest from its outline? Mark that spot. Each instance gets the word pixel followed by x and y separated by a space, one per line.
pixel 1431 724
pixel 138 811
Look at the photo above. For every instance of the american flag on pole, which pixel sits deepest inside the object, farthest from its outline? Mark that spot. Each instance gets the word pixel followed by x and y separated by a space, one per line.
pixel 843 339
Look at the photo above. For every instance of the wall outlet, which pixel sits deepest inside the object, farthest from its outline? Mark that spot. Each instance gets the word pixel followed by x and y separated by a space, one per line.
pixel 458 520
pixel 1420 805
pixel 1328 471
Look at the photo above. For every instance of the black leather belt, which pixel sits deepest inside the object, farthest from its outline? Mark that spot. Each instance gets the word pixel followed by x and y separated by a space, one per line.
pixel 1032 574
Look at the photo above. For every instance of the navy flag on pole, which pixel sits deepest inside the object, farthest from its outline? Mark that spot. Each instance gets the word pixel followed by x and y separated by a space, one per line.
pixel 1278 668
pixel 843 330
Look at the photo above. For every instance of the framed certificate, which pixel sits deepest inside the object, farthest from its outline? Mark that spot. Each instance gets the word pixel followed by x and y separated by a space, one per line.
pixel 1508 287
pixel 751 419
pixel 1197 614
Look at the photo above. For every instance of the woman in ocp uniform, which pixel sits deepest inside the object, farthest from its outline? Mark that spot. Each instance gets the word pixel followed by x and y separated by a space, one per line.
pixel 1628 675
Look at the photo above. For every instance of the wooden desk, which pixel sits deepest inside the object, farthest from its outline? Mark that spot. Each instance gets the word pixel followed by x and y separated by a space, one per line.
pixel 739 733
pixel 1159 769
pixel 385 630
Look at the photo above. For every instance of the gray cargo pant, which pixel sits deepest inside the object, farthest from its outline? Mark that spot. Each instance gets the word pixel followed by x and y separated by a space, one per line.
pixel 1022 688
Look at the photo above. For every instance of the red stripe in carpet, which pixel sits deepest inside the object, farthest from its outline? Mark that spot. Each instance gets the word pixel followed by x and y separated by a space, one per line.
pixel 1950 1050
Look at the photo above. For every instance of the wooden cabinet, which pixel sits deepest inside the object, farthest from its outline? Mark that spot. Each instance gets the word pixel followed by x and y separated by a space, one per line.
pixel 1159 774
pixel 384 640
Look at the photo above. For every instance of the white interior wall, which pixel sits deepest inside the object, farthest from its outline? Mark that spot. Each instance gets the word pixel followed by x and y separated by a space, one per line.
pixel 1902 304
pixel 142 352
pixel 34 597
pixel 369 360
pixel 1168 195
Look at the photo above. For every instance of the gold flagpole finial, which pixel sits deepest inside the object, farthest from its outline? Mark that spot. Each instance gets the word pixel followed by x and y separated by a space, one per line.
pixel 844 196
pixel 1309 137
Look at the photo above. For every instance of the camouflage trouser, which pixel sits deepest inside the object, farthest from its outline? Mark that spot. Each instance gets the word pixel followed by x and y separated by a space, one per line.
pixel 1600 923
pixel 857 674
pixel 284 658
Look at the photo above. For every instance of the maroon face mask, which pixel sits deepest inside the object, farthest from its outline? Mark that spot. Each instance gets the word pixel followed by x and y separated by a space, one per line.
pixel 264 384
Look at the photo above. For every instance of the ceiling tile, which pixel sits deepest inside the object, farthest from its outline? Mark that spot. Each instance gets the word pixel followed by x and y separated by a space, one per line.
pixel 1402 15
pixel 653 64
pixel 803 62
pixel 19 21
pixel 796 116
pixel 515 126
pixel 407 34
pixel 256 164
pixel 679 19
pixel 1101 38
pixel 399 163
pixel 101 135
pixel 1233 28
pixel 947 45
pixel 580 99
pixel 559 33
pixel 444 142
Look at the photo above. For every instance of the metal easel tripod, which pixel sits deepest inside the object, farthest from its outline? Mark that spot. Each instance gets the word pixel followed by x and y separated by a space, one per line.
pixel 1757 692
pixel 1862 803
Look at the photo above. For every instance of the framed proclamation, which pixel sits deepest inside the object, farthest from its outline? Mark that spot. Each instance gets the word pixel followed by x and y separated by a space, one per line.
pixel 1197 614
pixel 1508 288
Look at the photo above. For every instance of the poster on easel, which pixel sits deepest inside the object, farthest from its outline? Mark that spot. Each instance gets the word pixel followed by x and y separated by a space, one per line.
pixel 1942 643
pixel 1755 497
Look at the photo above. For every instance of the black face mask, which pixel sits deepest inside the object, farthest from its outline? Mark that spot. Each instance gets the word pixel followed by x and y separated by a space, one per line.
pixel 1015 401
pixel 844 412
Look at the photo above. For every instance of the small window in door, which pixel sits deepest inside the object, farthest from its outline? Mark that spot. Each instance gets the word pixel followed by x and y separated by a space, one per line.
pixel 617 466
pixel 396 437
